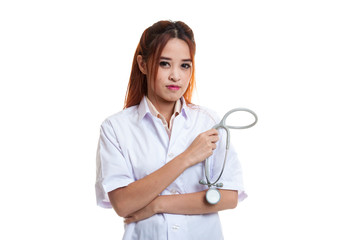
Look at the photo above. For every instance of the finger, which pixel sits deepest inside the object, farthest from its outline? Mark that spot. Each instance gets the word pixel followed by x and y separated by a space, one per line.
pixel 214 139
pixel 213 147
pixel 212 131
pixel 128 220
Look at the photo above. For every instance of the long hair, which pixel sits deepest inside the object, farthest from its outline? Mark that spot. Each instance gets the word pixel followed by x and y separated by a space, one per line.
pixel 151 44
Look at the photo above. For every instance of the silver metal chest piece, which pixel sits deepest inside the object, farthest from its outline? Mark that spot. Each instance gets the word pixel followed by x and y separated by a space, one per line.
pixel 213 196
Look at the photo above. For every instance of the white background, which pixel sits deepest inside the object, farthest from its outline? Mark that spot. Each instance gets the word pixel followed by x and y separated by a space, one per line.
pixel 64 67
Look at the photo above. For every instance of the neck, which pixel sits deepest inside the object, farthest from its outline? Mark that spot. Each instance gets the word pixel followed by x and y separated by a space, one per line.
pixel 164 107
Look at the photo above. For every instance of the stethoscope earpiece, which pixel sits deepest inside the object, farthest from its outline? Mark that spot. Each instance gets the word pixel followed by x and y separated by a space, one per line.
pixel 203 182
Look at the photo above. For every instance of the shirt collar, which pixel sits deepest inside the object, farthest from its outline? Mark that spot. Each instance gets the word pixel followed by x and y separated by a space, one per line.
pixel 180 107
pixel 156 113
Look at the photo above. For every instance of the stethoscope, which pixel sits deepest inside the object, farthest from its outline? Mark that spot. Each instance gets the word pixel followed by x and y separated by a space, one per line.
pixel 212 194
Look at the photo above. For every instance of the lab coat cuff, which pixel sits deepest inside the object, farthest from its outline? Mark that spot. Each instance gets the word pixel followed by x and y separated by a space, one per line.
pixel 241 193
pixel 114 185
pixel 102 191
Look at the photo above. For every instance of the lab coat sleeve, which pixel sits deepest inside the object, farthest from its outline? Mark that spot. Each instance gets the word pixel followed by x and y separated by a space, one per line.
pixel 232 177
pixel 113 170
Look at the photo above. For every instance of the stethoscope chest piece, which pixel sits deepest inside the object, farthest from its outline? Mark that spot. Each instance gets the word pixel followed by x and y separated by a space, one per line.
pixel 213 196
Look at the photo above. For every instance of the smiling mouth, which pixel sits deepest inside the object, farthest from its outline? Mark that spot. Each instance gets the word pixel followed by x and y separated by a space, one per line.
pixel 173 87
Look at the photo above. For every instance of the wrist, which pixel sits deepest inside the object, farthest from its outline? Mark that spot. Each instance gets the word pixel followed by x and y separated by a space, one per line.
pixel 186 159
pixel 158 205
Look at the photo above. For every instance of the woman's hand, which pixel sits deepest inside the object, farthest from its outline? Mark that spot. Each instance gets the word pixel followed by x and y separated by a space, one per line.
pixel 202 147
pixel 142 214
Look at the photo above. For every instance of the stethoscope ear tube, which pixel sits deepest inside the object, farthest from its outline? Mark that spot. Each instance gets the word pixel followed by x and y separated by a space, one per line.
pixel 223 120
pixel 213 195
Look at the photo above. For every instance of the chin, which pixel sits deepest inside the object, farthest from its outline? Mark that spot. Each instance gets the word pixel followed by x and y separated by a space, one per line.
pixel 172 98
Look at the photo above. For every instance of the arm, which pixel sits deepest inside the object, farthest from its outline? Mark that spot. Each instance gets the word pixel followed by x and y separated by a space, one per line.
pixel 191 203
pixel 140 193
pixel 195 203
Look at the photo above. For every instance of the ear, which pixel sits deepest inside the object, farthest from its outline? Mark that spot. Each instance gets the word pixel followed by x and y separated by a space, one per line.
pixel 142 64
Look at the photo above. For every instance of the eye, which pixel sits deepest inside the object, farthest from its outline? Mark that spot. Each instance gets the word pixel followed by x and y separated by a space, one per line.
pixel 186 65
pixel 164 64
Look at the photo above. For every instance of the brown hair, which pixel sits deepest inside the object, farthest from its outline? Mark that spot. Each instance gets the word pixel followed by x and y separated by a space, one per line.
pixel 151 44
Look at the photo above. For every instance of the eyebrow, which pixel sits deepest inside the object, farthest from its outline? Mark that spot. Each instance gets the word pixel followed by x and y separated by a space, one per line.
pixel 169 59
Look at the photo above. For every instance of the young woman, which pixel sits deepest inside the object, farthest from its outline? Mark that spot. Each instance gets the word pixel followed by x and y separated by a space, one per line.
pixel 150 155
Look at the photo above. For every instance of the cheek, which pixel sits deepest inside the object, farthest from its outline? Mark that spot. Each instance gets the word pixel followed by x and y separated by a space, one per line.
pixel 186 75
pixel 162 76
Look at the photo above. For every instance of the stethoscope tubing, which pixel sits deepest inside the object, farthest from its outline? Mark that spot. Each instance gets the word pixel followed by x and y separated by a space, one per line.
pixel 222 124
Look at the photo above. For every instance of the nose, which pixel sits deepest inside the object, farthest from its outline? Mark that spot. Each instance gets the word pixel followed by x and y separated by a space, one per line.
pixel 174 75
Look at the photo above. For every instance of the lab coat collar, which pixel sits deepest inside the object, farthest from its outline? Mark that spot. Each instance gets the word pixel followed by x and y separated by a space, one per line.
pixel 143 108
pixel 184 108
pixel 185 111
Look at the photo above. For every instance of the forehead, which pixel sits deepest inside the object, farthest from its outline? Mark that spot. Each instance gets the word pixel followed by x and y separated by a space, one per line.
pixel 176 49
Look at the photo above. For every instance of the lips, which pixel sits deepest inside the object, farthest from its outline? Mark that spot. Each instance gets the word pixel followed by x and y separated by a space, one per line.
pixel 173 87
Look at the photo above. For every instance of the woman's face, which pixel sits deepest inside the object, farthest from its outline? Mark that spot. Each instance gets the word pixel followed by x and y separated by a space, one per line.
pixel 174 73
